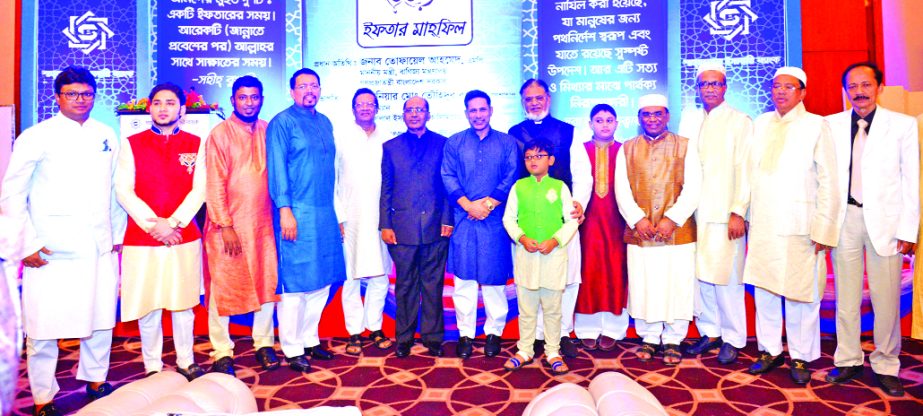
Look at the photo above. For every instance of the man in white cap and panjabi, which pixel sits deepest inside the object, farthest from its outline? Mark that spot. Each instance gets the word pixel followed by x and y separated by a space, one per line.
pixel 722 137
pixel 658 177
pixel 793 201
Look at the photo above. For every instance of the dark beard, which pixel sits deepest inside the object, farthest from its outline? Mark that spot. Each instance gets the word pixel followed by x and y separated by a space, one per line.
pixel 247 119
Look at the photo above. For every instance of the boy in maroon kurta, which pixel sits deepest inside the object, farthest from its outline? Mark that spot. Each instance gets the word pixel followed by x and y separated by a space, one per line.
pixel 600 317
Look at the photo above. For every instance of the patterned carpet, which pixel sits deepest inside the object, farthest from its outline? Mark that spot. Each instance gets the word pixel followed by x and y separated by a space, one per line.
pixel 381 384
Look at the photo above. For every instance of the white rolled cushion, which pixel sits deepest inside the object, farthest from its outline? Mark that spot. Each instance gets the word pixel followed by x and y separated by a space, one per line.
pixel 136 395
pixel 174 403
pixel 574 409
pixel 239 398
pixel 626 404
pixel 616 393
pixel 549 401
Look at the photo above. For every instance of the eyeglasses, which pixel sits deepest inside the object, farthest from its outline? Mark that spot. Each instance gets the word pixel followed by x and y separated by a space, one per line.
pixel 865 86
pixel 785 87
pixel 710 84
pixel 72 95
pixel 302 87
pixel 655 114
pixel 365 105
pixel 414 110
pixel 535 157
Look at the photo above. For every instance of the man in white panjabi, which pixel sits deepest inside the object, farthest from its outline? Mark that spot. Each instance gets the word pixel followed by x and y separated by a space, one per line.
pixel 657 184
pixel 793 190
pixel 879 174
pixel 358 190
pixel 722 136
pixel 57 193
pixel 160 180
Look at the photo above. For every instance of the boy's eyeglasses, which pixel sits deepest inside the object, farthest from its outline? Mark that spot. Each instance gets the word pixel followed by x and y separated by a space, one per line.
pixel 535 157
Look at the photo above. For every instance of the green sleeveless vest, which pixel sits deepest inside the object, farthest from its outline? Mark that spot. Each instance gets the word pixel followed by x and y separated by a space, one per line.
pixel 540 207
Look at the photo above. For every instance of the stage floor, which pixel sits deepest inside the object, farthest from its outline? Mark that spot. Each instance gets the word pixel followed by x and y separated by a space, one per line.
pixel 381 384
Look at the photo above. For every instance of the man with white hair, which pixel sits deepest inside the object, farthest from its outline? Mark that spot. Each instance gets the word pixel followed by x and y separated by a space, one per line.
pixel 792 188
pixel 722 137
pixel 658 177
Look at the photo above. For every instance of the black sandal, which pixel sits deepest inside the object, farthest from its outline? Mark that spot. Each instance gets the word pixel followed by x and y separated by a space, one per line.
pixel 646 348
pixel 380 340
pixel 354 345
pixel 670 352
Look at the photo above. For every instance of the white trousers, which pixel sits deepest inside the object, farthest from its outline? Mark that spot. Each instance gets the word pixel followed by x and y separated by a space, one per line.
pixel 802 325
pixel 151 328
pixel 465 298
pixel 299 318
pixel 884 282
pixel 42 362
pixel 360 316
pixel 721 312
pixel 568 304
pixel 220 335
pixel 662 332
pixel 591 326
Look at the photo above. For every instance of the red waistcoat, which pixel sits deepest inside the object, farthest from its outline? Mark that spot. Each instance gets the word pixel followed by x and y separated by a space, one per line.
pixel 164 165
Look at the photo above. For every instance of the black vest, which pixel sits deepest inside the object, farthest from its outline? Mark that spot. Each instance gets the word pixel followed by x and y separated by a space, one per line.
pixel 559 133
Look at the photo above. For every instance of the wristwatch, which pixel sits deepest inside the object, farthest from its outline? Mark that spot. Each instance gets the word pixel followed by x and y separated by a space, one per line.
pixel 490 205
pixel 173 222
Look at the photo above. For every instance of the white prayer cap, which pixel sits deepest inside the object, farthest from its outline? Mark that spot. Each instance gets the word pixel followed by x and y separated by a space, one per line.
pixel 652 100
pixel 792 71
pixel 710 66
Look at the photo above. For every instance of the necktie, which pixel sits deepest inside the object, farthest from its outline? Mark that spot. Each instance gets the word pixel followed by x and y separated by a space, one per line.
pixel 855 187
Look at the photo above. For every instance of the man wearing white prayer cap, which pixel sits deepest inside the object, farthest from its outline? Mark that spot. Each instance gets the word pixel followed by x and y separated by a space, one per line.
pixel 722 135
pixel 657 181
pixel 793 201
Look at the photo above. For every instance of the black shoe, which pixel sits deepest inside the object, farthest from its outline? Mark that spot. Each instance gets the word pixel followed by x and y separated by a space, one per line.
pixel 840 375
pixel 192 372
pixel 299 363
pixel 223 365
pixel 766 363
pixel 318 353
pixel 727 354
pixel 434 349
pixel 891 385
pixel 800 372
pixel 102 391
pixel 47 410
pixel 150 373
pixel 463 349
pixel 492 346
pixel 267 358
pixel 703 345
pixel 568 347
pixel 403 349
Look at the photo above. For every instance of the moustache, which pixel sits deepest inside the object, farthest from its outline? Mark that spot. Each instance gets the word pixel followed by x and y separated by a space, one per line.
pixel 860 97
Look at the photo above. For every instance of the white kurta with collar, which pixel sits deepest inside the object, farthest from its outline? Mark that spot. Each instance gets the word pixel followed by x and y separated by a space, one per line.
pixel 59 188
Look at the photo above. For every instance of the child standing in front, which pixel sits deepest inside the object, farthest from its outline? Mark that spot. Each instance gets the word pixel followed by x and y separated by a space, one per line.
pixel 537 217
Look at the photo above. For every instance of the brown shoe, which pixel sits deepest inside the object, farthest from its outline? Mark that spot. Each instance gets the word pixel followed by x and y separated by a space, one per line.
pixel 606 343
pixel 589 344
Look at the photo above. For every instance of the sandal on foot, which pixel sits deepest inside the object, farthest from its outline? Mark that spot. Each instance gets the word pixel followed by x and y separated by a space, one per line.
pixel 646 352
pixel 672 355
pixel 516 362
pixel 354 345
pixel 558 366
pixel 380 340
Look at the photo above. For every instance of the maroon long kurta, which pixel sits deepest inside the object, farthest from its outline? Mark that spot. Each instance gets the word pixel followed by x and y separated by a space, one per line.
pixel 604 270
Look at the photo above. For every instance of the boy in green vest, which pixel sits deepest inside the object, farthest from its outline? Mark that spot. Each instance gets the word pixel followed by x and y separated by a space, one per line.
pixel 537 217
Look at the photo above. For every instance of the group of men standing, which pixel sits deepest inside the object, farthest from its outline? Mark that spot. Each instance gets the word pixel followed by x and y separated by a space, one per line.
pixel 293 208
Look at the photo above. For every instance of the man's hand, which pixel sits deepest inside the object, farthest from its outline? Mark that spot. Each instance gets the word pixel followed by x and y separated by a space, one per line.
pixel 387 235
pixel 161 230
pixel 174 239
pixel 476 210
pixel 665 229
pixel 231 241
pixel 446 231
pixel 645 229
pixel 547 246
pixel 35 260
pixel 529 244
pixel 577 213
pixel 818 247
pixel 288 224
pixel 737 227
pixel 905 247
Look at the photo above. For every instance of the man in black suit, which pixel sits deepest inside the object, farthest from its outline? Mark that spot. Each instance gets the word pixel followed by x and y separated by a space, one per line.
pixel 415 222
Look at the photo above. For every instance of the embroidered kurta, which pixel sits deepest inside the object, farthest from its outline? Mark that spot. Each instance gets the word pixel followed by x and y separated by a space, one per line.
pixel 237 195
pixel 57 191
pixel 300 157
pixel 160 176
pixel 605 270
pixel 541 211
pixel 358 193
pixel 661 276
pixel 480 250
pixel 722 137
pixel 793 200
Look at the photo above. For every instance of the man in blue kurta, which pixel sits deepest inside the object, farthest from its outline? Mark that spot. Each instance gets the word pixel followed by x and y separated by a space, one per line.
pixel 479 168
pixel 300 160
